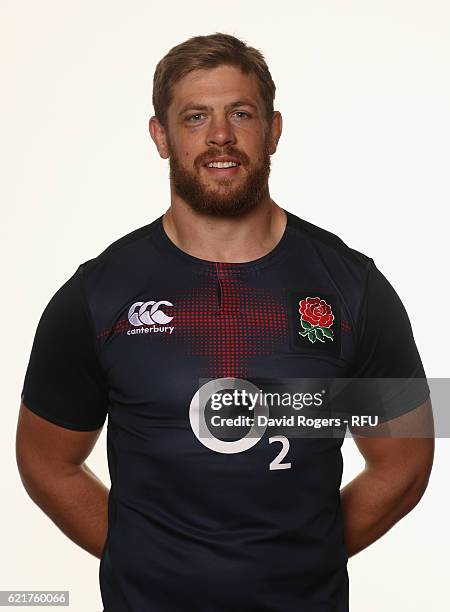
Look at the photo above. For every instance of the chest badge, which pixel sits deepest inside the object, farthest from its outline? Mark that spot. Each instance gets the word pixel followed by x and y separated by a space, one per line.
pixel 316 319
pixel 315 322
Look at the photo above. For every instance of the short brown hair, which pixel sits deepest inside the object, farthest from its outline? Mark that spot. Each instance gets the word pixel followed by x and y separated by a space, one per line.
pixel 209 52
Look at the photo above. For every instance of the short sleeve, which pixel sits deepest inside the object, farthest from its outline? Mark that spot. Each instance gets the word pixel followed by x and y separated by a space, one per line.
pixel 64 381
pixel 386 352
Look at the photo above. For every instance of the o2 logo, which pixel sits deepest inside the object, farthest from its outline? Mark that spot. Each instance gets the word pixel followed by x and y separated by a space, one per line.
pixel 199 427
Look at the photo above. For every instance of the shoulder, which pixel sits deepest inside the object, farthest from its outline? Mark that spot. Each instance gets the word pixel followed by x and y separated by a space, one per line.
pixel 121 269
pixel 122 249
pixel 327 242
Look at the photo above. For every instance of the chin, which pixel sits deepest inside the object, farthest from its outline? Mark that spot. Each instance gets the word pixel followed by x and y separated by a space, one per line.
pixel 230 208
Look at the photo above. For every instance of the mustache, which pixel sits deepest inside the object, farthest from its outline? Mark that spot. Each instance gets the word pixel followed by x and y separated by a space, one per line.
pixel 242 157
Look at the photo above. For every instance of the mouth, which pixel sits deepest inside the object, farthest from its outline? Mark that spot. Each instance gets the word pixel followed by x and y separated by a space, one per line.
pixel 222 167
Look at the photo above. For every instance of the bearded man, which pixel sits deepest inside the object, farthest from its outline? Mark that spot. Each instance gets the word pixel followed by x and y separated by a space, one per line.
pixel 225 291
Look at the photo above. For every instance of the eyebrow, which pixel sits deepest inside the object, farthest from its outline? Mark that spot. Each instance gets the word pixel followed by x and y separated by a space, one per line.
pixel 235 104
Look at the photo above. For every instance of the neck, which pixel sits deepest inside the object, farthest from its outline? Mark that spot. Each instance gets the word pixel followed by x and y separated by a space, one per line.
pixel 232 240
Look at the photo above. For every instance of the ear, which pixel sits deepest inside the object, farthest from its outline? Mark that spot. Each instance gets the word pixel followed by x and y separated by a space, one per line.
pixel 275 130
pixel 158 134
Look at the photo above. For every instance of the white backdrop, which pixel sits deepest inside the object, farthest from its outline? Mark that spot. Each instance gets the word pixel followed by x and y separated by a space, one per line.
pixel 364 90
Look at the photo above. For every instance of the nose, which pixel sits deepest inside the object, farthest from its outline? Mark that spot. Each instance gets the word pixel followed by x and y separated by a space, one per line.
pixel 220 132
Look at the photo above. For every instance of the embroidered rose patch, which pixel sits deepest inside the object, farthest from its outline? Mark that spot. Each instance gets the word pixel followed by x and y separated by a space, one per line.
pixel 316 318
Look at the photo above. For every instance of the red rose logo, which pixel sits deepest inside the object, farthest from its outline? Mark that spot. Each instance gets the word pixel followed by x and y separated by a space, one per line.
pixel 316 311
pixel 316 319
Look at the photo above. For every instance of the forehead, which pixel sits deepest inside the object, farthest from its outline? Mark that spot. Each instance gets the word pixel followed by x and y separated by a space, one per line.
pixel 215 86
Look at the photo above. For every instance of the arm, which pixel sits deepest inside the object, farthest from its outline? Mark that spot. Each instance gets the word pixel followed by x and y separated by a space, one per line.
pixel 51 464
pixel 394 478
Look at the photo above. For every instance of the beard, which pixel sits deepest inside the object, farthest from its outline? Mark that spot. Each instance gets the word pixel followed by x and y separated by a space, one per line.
pixel 224 199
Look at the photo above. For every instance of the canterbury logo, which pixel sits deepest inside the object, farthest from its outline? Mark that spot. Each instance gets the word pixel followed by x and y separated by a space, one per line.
pixel 146 313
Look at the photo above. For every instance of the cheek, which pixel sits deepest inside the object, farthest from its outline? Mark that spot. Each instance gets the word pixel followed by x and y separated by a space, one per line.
pixel 188 151
pixel 185 155
pixel 252 142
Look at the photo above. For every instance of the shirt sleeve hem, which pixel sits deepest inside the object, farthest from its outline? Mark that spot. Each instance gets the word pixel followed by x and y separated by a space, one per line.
pixel 404 409
pixel 61 422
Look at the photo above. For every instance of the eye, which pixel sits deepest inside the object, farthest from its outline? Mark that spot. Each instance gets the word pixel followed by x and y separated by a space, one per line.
pixel 246 115
pixel 193 118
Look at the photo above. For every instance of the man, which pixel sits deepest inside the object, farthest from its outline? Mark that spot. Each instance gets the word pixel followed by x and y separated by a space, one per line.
pixel 230 288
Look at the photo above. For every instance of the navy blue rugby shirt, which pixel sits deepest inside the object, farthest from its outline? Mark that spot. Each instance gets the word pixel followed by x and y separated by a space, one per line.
pixel 130 335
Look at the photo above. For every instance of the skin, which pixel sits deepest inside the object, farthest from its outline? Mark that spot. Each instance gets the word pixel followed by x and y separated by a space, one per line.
pixel 51 462
pixel 398 461
pixel 51 459
pixel 219 239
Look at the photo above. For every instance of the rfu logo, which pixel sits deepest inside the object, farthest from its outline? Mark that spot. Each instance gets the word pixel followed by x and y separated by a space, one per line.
pixel 146 313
